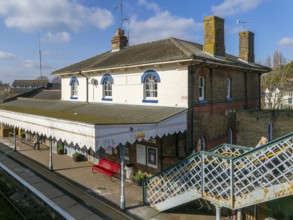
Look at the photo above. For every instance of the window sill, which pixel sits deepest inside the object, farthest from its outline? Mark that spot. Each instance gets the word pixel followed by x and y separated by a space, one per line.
pixel 107 99
pixel 203 102
pixel 150 101
pixel 73 97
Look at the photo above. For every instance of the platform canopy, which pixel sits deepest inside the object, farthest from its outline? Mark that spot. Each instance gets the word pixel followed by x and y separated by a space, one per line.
pixel 93 125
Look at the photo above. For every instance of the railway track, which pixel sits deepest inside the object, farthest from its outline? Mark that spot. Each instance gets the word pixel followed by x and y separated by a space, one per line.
pixel 8 210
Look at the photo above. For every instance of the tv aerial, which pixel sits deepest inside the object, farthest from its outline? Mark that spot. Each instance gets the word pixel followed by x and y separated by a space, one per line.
pixel 243 23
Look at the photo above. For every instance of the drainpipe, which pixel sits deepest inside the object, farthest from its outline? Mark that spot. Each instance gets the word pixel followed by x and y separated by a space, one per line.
pixel 259 92
pixel 87 86
pixel 191 106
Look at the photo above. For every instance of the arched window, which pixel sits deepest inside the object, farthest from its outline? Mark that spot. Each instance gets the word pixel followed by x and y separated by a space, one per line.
pixel 230 136
pixel 74 87
pixel 150 79
pixel 107 82
pixel 201 144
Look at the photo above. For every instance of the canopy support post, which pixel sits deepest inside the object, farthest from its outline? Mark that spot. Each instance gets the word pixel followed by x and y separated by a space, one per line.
pixel 14 135
pixel 50 156
pixel 122 196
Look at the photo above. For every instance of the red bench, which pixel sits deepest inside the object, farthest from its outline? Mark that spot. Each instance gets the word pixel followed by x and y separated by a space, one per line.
pixel 106 167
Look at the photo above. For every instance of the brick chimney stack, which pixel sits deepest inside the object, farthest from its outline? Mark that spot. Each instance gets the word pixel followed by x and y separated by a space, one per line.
pixel 214 38
pixel 119 41
pixel 246 46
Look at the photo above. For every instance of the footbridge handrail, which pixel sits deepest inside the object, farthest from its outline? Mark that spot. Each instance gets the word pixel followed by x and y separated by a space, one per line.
pixel 229 176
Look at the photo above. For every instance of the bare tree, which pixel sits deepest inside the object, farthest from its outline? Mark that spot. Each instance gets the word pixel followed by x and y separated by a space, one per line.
pixel 278 60
pixel 273 86
pixel 42 78
pixel 268 62
pixel 56 79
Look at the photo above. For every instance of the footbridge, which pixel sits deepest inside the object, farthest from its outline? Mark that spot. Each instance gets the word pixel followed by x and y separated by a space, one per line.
pixel 228 176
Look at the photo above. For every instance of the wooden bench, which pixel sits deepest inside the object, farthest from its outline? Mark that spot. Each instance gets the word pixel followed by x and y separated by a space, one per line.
pixel 106 167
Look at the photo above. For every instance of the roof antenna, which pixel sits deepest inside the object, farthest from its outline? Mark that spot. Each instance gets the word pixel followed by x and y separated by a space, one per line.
pixel 121 10
pixel 40 52
pixel 128 21
pixel 243 23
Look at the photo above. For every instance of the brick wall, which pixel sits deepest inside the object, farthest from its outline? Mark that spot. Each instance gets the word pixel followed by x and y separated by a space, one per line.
pixel 170 150
pixel 251 125
pixel 216 115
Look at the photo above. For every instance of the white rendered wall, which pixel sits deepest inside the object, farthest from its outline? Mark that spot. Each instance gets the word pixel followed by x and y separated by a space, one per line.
pixel 66 89
pixel 128 89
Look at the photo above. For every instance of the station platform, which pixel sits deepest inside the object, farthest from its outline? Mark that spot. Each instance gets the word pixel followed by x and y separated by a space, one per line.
pixel 72 189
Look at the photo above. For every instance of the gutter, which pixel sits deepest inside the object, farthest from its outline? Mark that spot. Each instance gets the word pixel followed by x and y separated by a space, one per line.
pixel 191 59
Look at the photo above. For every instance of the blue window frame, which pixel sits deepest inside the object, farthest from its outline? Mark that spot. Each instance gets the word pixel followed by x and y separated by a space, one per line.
pixel 74 88
pixel 107 82
pixel 150 79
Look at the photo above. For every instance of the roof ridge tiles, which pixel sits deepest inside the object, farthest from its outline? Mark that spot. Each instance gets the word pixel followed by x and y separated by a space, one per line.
pixel 185 50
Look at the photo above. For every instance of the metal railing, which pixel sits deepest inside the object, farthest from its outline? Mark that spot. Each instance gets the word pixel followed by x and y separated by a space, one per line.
pixel 228 176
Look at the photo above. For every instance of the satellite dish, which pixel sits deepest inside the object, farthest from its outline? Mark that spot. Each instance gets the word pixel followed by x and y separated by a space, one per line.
pixel 94 82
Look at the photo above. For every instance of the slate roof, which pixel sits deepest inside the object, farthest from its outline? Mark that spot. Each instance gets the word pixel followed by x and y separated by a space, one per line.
pixel 48 94
pixel 92 113
pixel 166 50
pixel 29 83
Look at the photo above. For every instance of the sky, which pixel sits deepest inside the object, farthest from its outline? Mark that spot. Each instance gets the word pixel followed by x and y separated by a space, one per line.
pixel 68 31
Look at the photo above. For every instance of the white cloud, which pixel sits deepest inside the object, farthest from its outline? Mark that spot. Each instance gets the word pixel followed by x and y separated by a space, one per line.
pixel 31 64
pixel 161 25
pixel 149 5
pixel 36 15
pixel 233 30
pixel 286 41
pixel 6 55
pixel 231 7
pixel 58 37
